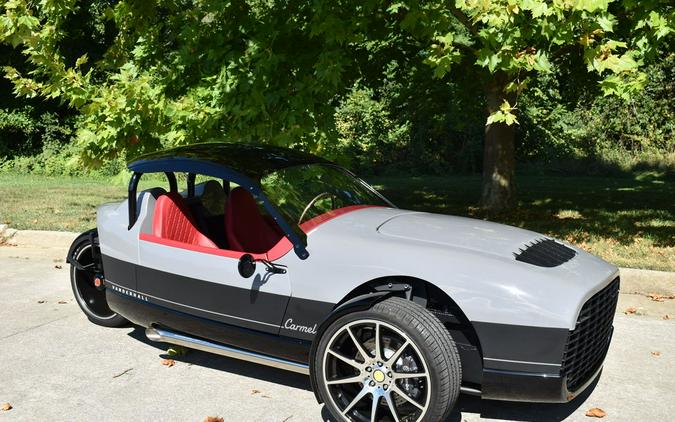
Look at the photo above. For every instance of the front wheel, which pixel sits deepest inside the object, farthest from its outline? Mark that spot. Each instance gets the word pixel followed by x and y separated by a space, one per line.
pixel 85 269
pixel 393 362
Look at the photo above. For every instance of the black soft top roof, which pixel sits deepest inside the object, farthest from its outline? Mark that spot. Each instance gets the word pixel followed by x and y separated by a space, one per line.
pixel 254 161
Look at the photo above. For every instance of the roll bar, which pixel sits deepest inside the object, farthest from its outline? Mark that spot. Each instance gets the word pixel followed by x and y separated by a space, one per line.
pixel 133 188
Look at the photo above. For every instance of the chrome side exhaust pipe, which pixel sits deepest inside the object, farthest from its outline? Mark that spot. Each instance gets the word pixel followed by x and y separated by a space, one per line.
pixel 166 336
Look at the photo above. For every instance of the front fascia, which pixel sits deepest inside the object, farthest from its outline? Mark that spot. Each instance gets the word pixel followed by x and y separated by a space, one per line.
pixel 522 313
pixel 347 252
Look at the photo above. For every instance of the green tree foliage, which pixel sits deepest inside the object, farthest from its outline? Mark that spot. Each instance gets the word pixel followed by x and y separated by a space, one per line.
pixel 367 132
pixel 405 121
pixel 38 126
pixel 175 72
pixel 178 72
pixel 566 119
pixel 24 130
pixel 516 42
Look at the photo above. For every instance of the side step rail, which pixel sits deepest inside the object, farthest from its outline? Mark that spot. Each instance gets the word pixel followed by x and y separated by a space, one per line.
pixel 166 336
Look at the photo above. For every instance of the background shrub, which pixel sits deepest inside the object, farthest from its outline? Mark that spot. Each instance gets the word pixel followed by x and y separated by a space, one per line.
pixel 567 125
pixel 367 134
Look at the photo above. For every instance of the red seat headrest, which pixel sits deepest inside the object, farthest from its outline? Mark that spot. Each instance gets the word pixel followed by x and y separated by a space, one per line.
pixel 247 230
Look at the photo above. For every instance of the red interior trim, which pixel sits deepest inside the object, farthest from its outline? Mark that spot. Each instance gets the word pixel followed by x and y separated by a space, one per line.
pixel 280 249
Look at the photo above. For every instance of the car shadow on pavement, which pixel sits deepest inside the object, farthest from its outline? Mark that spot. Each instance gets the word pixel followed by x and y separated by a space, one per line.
pixel 507 411
pixel 518 411
pixel 230 365
pixel 488 409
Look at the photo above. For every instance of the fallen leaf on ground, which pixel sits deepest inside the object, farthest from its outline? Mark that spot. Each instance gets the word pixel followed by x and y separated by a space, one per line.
pixel 655 297
pixel 5 407
pixel 177 351
pixel 58 267
pixel 213 419
pixel 630 311
pixel 666 317
pixel 168 362
pixel 61 302
pixel 657 354
pixel 596 412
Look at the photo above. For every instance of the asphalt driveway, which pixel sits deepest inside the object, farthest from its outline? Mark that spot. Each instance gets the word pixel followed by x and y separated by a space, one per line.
pixel 55 365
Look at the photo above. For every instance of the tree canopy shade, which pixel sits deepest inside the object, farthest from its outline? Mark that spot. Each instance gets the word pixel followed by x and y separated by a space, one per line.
pixel 177 72
pixel 512 42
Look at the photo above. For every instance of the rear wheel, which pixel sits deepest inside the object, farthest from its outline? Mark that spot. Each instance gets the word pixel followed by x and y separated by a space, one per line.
pixel 393 362
pixel 86 278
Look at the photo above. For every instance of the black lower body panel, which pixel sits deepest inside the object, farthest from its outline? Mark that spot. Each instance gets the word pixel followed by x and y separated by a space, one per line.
pixel 120 272
pixel 147 314
pixel 529 387
pixel 523 363
pixel 522 386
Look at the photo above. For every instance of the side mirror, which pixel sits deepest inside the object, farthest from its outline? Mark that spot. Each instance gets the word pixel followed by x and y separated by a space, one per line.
pixel 246 266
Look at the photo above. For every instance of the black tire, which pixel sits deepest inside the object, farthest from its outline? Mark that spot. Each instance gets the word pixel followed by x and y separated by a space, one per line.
pixel 91 300
pixel 430 338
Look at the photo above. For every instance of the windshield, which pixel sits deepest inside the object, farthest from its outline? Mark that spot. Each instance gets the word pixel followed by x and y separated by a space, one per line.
pixel 306 191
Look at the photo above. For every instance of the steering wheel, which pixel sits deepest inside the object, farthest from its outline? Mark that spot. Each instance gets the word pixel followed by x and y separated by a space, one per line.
pixel 314 201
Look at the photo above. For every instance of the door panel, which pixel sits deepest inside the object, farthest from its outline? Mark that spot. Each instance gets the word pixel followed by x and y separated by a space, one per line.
pixel 254 340
pixel 209 286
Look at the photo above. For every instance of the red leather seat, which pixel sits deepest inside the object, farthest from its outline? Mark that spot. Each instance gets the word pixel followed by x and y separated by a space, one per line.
pixel 247 230
pixel 173 221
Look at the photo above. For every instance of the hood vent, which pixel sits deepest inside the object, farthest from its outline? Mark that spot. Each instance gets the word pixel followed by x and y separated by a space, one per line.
pixel 545 253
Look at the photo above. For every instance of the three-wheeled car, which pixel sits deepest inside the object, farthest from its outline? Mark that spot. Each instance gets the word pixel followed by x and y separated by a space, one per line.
pixel 285 259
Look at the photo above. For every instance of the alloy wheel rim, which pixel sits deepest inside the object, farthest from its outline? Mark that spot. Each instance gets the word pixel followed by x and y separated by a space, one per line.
pixel 93 300
pixel 374 372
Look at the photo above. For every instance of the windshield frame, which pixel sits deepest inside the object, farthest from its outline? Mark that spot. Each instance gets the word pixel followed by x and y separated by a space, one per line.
pixel 339 168
pixel 361 181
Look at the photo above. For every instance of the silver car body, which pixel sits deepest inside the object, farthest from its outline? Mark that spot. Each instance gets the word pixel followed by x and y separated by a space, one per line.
pixel 507 302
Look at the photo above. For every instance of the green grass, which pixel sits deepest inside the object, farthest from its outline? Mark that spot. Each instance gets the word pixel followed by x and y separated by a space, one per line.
pixel 58 203
pixel 629 221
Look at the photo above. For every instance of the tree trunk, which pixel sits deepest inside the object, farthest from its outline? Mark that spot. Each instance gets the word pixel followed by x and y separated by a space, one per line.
pixel 499 160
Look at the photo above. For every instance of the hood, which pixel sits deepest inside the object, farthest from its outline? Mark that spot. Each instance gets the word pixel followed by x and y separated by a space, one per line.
pixel 494 272
pixel 459 232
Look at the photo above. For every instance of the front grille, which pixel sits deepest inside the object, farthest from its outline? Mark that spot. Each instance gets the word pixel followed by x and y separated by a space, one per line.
pixel 545 253
pixel 587 345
